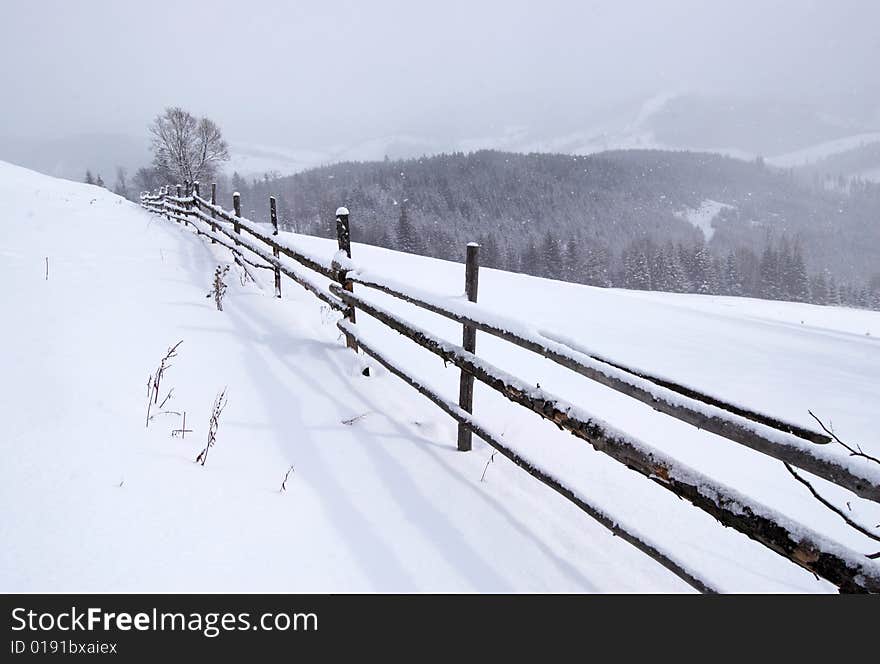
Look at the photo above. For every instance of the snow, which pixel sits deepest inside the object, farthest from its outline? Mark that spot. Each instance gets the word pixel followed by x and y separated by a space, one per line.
pixel 703 216
pixel 253 160
pixel 815 153
pixel 721 495
pixel 570 349
pixel 93 501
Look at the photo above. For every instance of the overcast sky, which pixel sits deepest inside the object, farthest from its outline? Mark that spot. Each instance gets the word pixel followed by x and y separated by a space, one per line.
pixel 308 73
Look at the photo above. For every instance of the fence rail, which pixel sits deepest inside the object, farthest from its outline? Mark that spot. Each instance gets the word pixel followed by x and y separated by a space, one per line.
pixel 798 446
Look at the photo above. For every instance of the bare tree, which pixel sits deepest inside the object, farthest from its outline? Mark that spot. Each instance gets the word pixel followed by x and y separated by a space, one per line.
pixel 186 148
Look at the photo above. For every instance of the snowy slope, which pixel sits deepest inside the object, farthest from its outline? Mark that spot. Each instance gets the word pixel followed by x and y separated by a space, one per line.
pixel 816 153
pixel 704 216
pixel 91 500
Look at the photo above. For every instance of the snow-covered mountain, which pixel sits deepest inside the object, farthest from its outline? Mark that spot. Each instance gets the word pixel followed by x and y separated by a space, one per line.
pixel 378 498
pixel 786 134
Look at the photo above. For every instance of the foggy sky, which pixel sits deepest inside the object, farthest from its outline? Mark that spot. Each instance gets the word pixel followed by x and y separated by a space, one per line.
pixel 310 73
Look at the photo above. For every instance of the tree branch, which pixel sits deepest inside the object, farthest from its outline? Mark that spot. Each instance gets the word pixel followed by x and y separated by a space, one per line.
pixel 856 452
pixel 827 504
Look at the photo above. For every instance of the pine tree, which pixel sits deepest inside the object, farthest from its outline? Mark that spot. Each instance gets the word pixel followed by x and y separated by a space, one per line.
pixel 238 183
pixel 769 274
pixel 100 181
pixel 799 288
pixel 636 269
pixel 574 262
pixel 596 265
pixel 704 278
pixel 530 260
pixel 732 278
pixel 551 258
pixel 489 254
pixel 89 178
pixel 818 289
pixel 835 297
pixel 405 231
pixel 678 277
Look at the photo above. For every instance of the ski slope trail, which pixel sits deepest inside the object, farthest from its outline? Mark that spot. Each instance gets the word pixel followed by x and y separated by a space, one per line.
pixel 378 499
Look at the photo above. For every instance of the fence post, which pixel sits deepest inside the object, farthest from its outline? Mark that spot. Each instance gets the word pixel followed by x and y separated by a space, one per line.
pixel 178 189
pixel 469 343
pixel 273 215
pixel 343 235
pixel 195 191
pixel 213 215
pixel 236 204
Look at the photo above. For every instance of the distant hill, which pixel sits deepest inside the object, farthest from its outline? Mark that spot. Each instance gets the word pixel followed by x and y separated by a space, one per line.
pixel 608 203
pixel 69 157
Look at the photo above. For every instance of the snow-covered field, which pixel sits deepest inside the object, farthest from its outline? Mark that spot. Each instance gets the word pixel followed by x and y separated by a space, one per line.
pixel 379 499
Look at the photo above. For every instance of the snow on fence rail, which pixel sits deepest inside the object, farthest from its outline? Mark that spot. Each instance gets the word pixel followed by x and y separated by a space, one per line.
pixel 849 570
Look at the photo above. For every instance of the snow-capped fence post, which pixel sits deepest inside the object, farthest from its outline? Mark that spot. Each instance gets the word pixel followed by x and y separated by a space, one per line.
pixel 236 204
pixel 343 236
pixel 469 343
pixel 273 215
pixel 195 192
pixel 213 214
pixel 165 191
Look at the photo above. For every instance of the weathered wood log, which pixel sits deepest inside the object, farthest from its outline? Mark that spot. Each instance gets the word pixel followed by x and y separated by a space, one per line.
pixel 816 437
pixel 847 569
pixel 327 298
pixel 180 200
pixel 236 204
pixel 704 416
pixel 469 343
pixel 467 421
pixel 195 192
pixel 273 215
pixel 761 418
pixel 182 214
pixel 231 247
pixel 311 264
pixel 343 238
pixel 213 202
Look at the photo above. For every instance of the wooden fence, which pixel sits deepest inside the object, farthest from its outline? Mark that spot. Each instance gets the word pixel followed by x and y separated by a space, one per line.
pixel 794 445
